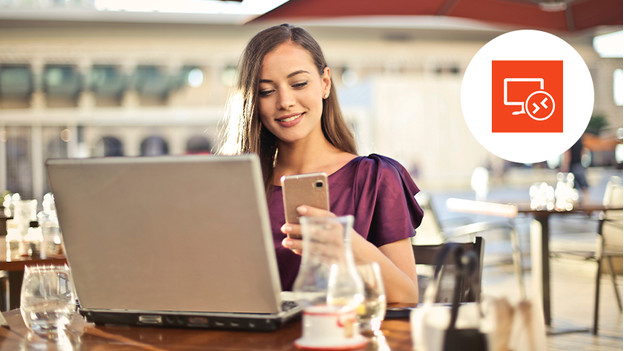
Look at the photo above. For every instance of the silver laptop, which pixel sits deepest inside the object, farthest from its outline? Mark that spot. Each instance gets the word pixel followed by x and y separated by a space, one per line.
pixel 181 241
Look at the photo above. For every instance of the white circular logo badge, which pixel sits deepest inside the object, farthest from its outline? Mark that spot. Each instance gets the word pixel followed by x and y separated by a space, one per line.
pixel 527 96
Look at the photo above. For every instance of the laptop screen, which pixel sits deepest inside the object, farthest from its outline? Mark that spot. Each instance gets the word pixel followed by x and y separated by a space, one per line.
pixel 173 233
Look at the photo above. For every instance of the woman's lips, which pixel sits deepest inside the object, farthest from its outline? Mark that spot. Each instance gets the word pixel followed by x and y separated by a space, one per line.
pixel 291 120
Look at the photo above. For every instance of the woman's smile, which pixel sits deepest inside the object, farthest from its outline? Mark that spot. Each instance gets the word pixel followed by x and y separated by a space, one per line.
pixel 290 120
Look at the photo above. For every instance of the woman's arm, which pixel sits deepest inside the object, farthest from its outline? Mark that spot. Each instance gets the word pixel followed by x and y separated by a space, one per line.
pixel 395 259
pixel 398 268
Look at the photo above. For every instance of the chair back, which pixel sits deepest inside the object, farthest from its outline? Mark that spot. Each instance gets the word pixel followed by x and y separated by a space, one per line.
pixel 611 221
pixel 426 255
pixel 613 192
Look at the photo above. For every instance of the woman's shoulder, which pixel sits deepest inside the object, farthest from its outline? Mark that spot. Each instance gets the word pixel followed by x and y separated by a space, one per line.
pixel 376 170
pixel 375 163
pixel 373 169
pixel 388 181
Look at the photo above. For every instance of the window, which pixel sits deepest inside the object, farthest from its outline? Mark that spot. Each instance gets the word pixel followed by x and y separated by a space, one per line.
pixel 198 144
pixel 190 76
pixel 19 161
pixel 15 81
pixel 108 146
pixel 62 81
pixel 151 82
pixel 154 146
pixel 107 81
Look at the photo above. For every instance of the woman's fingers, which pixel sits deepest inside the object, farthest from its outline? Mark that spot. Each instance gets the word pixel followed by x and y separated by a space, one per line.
pixel 293 232
pixel 295 245
pixel 304 210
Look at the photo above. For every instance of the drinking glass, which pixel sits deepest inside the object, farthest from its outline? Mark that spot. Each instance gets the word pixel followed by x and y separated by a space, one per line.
pixel 24 211
pixel 47 300
pixel 371 312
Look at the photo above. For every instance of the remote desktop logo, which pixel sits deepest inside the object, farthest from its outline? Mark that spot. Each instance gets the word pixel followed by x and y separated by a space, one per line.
pixel 514 101
pixel 527 96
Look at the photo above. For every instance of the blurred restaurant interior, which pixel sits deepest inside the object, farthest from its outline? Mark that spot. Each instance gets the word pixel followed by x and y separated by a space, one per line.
pixel 79 82
pixel 93 78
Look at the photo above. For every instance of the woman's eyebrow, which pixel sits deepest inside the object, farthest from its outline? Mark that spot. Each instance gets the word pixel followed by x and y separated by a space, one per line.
pixel 288 76
pixel 297 72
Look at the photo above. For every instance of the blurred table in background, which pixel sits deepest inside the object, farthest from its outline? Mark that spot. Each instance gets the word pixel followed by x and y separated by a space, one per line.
pixel 15 268
pixel 540 247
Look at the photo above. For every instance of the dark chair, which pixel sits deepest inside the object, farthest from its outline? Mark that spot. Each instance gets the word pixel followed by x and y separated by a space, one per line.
pixel 506 226
pixel 426 255
pixel 433 231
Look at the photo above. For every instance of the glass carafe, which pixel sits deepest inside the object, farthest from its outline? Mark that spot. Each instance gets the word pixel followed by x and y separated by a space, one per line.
pixel 328 274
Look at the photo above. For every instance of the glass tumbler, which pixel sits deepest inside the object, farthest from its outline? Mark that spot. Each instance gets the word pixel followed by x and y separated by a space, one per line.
pixel 372 311
pixel 47 300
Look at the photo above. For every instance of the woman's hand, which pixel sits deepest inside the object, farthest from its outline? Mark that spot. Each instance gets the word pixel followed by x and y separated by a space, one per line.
pixel 294 234
pixel 293 240
pixel 395 259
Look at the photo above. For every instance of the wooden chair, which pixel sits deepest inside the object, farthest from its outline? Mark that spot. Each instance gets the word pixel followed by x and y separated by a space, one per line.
pixel 426 255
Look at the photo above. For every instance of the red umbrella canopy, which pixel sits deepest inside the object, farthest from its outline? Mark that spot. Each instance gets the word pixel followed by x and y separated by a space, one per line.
pixel 555 15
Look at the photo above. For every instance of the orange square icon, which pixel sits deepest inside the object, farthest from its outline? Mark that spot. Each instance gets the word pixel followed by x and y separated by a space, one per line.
pixel 527 96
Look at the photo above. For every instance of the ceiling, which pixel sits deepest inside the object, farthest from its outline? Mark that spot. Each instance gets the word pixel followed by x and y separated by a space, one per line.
pixel 558 16
pixel 392 19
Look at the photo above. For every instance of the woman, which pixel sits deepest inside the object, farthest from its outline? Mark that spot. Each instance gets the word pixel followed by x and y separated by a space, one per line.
pixel 287 112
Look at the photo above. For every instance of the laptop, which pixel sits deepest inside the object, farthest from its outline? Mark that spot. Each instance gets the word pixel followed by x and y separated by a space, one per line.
pixel 174 241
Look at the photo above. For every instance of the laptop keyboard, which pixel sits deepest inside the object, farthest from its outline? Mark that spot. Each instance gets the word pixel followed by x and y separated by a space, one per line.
pixel 288 305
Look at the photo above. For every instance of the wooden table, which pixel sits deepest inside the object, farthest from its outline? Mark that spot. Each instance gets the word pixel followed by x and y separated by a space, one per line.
pixel 87 336
pixel 15 268
pixel 542 218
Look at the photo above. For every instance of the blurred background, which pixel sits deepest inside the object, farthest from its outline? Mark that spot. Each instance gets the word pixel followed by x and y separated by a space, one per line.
pixel 82 78
pixel 93 78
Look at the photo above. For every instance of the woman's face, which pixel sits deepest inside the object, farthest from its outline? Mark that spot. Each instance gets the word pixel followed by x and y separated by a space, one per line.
pixel 291 93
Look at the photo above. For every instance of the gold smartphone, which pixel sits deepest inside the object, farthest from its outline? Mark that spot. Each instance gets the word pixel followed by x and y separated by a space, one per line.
pixel 304 189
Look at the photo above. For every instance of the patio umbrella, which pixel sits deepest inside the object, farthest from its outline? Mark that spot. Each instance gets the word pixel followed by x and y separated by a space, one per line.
pixel 555 15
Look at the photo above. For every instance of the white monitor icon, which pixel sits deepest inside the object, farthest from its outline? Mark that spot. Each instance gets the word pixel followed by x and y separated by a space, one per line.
pixel 524 86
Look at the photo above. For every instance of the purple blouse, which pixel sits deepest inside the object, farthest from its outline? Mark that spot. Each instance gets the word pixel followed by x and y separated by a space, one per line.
pixel 377 190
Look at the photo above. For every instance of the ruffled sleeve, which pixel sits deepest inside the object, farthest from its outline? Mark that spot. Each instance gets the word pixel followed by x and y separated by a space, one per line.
pixel 385 207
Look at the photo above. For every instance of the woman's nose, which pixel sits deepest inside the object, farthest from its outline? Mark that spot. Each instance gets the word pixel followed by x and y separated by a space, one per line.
pixel 285 100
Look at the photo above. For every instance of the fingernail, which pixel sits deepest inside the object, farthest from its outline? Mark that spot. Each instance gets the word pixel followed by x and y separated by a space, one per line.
pixel 286 229
pixel 302 210
pixel 286 243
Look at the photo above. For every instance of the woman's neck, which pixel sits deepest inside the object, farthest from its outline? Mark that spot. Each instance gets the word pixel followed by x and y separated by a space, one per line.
pixel 308 156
